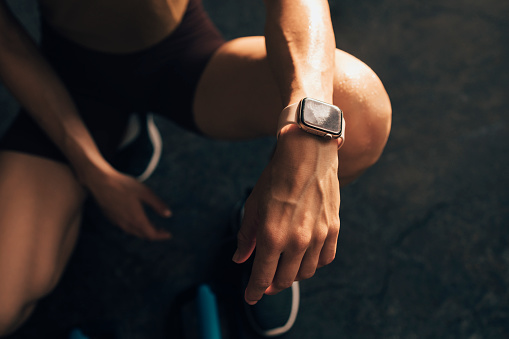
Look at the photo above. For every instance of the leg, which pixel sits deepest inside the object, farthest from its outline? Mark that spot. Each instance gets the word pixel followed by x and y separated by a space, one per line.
pixel 39 222
pixel 238 98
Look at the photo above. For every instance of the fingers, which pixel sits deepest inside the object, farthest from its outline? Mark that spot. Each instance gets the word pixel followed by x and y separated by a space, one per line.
pixel 150 232
pixel 246 238
pixel 309 263
pixel 264 268
pixel 288 267
pixel 121 198
pixel 141 225
pixel 328 252
pixel 151 199
pixel 275 270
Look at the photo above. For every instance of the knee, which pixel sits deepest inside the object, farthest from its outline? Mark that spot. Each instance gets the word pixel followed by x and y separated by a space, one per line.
pixel 12 314
pixel 368 114
pixel 19 298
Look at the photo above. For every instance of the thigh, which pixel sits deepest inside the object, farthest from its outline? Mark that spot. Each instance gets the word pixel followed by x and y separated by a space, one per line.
pixel 40 211
pixel 237 96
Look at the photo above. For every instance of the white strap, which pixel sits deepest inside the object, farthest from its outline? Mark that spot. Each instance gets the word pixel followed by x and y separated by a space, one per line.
pixel 288 116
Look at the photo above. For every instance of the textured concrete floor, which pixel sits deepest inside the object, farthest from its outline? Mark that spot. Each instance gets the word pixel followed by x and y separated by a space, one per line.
pixel 423 250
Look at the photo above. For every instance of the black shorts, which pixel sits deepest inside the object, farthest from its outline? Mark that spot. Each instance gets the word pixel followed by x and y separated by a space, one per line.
pixel 107 88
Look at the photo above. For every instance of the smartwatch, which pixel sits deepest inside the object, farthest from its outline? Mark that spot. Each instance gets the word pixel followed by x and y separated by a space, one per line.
pixel 315 117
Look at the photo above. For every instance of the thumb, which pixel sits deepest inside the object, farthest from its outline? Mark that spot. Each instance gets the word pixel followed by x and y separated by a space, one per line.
pixel 246 238
pixel 151 199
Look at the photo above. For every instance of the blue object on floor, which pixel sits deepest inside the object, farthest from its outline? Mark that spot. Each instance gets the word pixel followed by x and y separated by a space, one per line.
pixel 77 334
pixel 208 314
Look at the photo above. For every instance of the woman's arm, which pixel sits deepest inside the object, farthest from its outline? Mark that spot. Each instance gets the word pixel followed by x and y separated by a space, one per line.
pixel 32 81
pixel 292 215
pixel 301 48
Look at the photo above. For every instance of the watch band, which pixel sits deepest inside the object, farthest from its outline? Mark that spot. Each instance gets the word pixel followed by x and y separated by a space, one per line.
pixel 288 116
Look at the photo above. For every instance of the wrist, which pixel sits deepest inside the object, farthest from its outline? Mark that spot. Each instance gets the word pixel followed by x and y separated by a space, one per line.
pixel 294 136
pixel 322 120
pixel 91 168
pixel 302 147
pixel 300 158
pixel 85 158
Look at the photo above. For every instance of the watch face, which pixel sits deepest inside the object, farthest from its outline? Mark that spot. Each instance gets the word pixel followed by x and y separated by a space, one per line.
pixel 321 116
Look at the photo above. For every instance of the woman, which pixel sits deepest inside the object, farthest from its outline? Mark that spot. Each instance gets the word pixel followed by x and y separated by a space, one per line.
pixel 101 60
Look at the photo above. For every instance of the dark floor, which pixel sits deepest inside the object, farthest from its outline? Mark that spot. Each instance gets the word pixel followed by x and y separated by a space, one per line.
pixel 423 251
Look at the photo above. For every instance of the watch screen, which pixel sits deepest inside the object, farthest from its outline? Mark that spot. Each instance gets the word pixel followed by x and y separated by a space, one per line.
pixel 320 115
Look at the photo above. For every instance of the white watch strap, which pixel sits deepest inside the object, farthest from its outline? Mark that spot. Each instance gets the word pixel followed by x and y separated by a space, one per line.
pixel 288 116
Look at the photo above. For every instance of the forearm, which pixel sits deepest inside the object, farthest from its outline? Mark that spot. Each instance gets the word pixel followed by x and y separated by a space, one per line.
pixel 300 48
pixel 32 81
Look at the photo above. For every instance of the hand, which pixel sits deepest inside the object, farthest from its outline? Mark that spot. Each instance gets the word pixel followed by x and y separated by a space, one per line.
pixel 122 197
pixel 292 215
